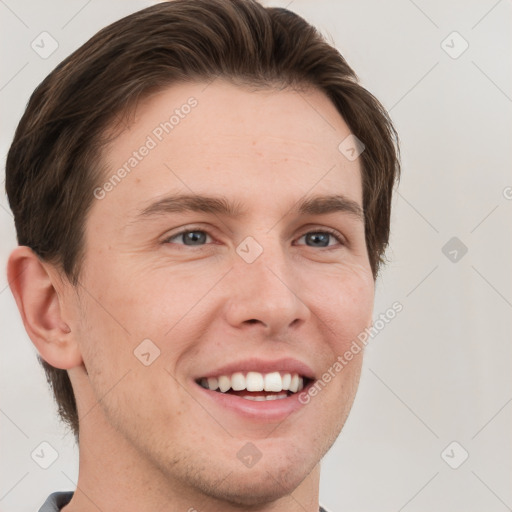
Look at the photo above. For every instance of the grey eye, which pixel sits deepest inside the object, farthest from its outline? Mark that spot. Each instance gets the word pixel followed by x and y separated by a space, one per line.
pixel 191 237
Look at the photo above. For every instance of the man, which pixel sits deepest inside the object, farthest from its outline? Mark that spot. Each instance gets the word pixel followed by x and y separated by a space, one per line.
pixel 199 372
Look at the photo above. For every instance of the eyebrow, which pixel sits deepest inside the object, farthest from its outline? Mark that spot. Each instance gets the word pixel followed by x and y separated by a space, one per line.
pixel 220 205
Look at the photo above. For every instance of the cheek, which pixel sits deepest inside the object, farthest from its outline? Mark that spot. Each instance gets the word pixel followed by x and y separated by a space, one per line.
pixel 120 300
pixel 106 334
pixel 345 304
pixel 140 310
pixel 101 339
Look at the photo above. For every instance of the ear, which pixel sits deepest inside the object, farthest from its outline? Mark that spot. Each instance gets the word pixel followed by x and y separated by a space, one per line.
pixel 35 290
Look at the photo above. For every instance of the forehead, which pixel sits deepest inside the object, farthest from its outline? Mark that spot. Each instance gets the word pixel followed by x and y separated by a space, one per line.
pixel 256 145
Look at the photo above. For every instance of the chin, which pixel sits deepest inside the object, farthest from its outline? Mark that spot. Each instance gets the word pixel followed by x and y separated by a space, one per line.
pixel 274 476
pixel 259 486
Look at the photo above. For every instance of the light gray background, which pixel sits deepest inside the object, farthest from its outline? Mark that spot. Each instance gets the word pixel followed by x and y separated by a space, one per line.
pixel 440 371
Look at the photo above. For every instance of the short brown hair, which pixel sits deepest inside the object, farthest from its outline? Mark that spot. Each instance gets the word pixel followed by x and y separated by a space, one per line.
pixel 53 163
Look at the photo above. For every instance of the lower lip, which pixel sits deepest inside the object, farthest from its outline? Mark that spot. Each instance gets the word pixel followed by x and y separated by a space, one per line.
pixel 267 410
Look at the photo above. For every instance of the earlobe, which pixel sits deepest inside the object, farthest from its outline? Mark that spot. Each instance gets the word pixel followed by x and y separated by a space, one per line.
pixel 41 308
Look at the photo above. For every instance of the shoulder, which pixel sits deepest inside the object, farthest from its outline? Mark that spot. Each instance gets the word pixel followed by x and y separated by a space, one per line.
pixel 56 501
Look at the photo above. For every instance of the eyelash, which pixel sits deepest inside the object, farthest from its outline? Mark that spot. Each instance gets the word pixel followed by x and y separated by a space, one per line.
pixel 329 231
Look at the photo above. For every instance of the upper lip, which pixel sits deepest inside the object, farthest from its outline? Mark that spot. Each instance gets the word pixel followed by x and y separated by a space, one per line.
pixel 286 365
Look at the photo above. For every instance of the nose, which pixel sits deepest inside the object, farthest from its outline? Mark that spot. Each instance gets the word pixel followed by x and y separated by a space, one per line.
pixel 265 294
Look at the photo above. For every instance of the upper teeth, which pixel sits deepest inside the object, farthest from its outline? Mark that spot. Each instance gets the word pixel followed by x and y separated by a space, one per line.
pixel 255 381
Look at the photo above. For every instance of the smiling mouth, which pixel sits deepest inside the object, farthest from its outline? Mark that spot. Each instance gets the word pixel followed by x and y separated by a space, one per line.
pixel 257 386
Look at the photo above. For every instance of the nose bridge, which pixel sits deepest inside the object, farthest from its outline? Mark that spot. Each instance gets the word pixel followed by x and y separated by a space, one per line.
pixel 270 261
pixel 262 255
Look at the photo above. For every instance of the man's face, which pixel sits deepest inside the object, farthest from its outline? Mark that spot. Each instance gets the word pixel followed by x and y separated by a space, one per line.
pixel 210 302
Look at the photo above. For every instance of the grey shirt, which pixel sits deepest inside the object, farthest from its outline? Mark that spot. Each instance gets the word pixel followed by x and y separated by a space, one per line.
pixel 58 500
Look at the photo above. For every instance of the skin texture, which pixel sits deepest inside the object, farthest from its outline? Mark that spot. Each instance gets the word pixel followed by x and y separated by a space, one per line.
pixel 148 440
